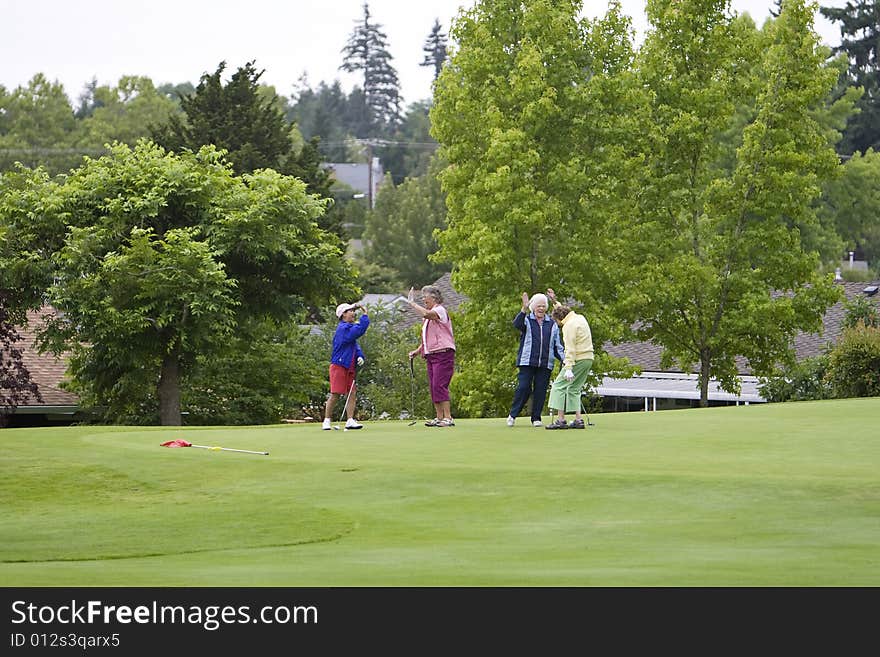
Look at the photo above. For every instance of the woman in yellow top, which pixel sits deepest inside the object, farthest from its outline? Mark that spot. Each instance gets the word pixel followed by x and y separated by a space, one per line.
pixel 565 394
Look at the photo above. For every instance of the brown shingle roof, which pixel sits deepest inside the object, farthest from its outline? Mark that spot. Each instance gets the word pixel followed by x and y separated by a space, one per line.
pixel 451 301
pixel 806 345
pixel 46 370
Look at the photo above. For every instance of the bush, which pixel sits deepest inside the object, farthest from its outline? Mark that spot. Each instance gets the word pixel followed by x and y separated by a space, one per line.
pixel 270 372
pixel 802 381
pixel 861 311
pixel 854 364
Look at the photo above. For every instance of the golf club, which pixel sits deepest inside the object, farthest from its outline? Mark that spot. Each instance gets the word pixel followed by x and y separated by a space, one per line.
pixel 584 411
pixel 345 406
pixel 412 392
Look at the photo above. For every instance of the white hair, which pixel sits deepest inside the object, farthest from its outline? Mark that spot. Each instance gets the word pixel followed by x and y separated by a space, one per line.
pixel 538 299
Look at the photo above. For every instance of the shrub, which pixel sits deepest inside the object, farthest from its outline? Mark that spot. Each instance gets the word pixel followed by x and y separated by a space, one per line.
pixel 854 364
pixel 800 382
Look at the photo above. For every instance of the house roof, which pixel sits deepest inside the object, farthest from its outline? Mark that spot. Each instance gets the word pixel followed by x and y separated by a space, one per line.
pixel 46 371
pixel 647 354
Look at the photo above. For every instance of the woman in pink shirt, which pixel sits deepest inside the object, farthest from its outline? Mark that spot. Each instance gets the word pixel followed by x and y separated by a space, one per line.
pixel 437 346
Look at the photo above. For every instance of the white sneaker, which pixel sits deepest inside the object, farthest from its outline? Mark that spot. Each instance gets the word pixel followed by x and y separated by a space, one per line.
pixel 353 424
pixel 537 423
pixel 510 420
pixel 326 426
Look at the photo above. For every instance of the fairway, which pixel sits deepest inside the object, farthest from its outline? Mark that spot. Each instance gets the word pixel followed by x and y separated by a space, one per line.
pixel 761 495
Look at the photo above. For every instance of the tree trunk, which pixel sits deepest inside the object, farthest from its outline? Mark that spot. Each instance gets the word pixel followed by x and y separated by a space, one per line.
pixel 704 378
pixel 169 392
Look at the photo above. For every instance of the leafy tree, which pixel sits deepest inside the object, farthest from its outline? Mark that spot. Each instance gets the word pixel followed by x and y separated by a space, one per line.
pixel 236 117
pixel 158 259
pixel 860 41
pixel 851 202
pixel 534 114
pixel 860 311
pixel 435 49
pixel 801 381
pixel 123 113
pixel 16 385
pixel 367 51
pixel 718 268
pixel 399 232
pixel 854 364
pixel 321 113
pixel 376 278
pixel 408 154
pixel 270 372
pixel 176 92
pixel 38 127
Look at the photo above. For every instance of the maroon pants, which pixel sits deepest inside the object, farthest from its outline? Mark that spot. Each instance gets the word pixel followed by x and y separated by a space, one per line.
pixel 440 368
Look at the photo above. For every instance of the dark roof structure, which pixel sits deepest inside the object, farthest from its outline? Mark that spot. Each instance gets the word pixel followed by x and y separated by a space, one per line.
pixel 647 354
pixel 46 371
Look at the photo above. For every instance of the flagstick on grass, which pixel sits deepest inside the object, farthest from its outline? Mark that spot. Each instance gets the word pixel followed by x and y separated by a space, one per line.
pixel 184 443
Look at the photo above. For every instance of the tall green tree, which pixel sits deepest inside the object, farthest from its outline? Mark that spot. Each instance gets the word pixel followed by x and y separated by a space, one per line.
pixel 714 267
pixel 409 152
pixel 400 230
pixel 860 42
pixel 235 116
pixel 156 259
pixel 38 126
pixel 435 48
pixel 851 202
pixel 123 113
pixel 367 51
pixel 534 113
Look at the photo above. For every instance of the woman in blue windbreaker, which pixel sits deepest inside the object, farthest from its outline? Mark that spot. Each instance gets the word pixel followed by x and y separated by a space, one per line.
pixel 539 347
pixel 345 358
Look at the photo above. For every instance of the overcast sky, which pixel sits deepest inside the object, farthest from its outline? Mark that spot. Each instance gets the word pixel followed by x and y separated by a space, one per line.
pixel 73 41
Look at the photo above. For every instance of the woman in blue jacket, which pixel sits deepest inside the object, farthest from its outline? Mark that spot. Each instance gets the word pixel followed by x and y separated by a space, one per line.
pixel 345 358
pixel 539 346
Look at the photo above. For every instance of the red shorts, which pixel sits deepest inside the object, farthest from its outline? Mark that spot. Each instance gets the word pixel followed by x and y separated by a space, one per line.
pixel 341 380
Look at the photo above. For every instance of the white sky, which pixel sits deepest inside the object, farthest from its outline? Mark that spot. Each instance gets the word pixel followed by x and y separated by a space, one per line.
pixel 175 41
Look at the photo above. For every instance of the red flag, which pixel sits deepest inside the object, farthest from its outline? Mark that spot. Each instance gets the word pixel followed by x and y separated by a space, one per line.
pixel 177 443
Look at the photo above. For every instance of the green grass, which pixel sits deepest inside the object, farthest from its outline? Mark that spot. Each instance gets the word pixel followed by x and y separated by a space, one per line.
pixel 764 495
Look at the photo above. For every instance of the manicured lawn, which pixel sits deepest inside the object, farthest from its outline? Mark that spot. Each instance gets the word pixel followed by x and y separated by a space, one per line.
pixel 763 495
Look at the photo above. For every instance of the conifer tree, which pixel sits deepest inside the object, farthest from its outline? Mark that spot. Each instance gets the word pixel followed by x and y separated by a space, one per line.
pixel 860 41
pixel 435 49
pixel 233 116
pixel 367 51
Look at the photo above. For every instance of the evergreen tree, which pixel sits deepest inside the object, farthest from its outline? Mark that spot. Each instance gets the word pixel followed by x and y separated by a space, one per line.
pixel 88 101
pixel 860 41
pixel 367 51
pixel 435 49
pixel 400 230
pixel 235 117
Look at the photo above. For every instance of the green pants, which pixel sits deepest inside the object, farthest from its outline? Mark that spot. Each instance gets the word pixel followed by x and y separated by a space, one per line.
pixel 567 394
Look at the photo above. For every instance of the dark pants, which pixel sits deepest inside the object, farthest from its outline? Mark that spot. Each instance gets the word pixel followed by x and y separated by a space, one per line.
pixel 530 381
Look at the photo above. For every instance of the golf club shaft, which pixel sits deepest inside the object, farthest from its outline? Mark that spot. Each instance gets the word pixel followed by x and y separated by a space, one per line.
pixel 345 405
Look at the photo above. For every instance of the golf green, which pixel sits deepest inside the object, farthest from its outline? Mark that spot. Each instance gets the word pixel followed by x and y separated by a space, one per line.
pixel 760 495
